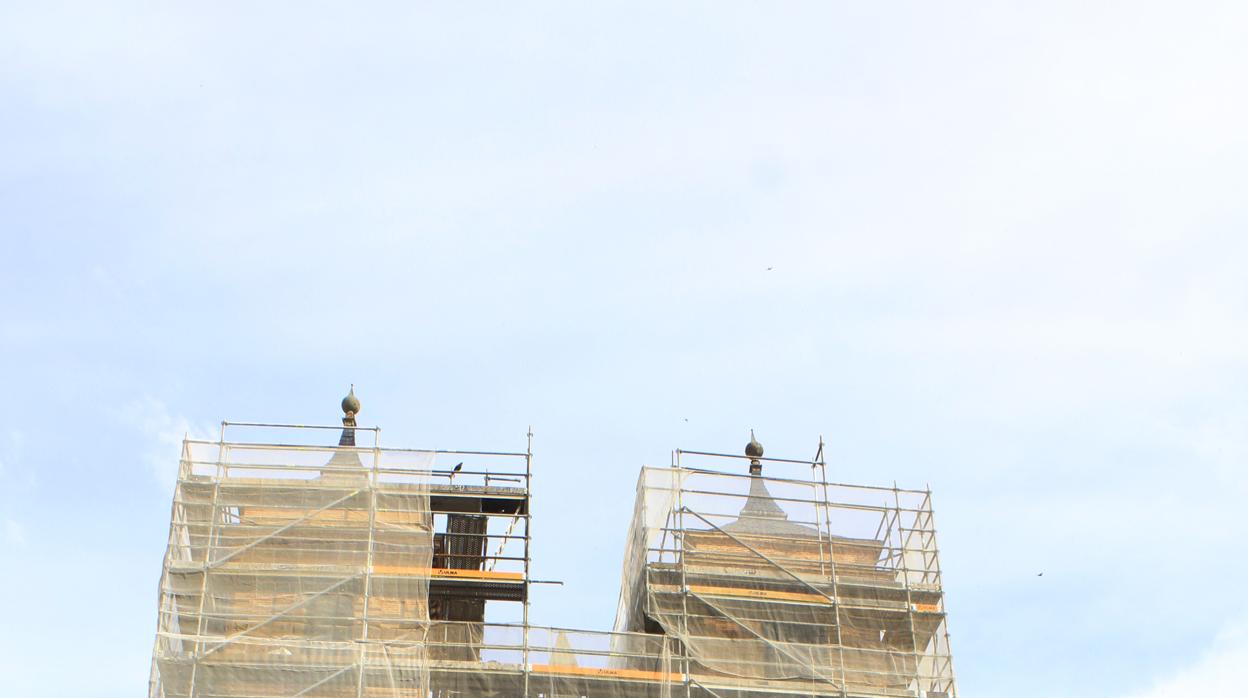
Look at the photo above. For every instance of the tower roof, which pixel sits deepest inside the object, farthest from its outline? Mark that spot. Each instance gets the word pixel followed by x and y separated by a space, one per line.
pixel 761 515
pixel 345 458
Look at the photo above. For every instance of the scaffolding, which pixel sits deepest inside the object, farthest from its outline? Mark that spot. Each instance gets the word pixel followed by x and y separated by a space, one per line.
pixel 296 569
pixel 305 570
pixel 795 586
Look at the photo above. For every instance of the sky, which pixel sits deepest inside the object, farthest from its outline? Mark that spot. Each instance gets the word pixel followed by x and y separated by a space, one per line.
pixel 994 248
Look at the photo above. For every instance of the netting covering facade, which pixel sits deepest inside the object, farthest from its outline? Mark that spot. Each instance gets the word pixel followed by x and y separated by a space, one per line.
pixel 320 571
pixel 795 586
pixel 296 571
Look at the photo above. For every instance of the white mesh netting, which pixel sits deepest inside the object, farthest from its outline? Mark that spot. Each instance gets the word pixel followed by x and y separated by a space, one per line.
pixel 306 571
pixel 295 571
pixel 776 584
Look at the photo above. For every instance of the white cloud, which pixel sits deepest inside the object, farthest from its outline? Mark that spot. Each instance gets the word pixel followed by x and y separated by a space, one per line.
pixel 165 432
pixel 1218 672
pixel 14 533
pixel 11 447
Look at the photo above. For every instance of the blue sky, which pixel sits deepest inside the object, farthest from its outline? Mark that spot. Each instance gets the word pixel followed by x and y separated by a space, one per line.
pixel 1006 246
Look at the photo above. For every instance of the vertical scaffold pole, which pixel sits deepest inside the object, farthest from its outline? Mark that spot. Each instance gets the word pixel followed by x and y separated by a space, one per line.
pixel 177 517
pixel 952 686
pixel 528 518
pixel 368 568
pixel 905 571
pixel 203 582
pixel 817 476
pixel 821 462
pixel 684 581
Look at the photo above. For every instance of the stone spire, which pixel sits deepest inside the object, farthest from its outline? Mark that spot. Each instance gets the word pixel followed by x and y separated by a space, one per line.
pixel 761 515
pixel 350 408
pixel 345 459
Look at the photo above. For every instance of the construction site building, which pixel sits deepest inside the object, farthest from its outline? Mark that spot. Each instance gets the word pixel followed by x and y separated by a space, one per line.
pixel 356 570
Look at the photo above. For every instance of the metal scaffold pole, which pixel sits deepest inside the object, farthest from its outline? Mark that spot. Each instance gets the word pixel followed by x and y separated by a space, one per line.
pixel 684 581
pixel 368 571
pixel 821 463
pixel 947 658
pixel 528 518
pixel 208 548
pixel 905 572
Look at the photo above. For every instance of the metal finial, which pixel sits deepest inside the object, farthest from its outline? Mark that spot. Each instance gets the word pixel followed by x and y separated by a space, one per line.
pixel 350 408
pixel 754 450
pixel 351 403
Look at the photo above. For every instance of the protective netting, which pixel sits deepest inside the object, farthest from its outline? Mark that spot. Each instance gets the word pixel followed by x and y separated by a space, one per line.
pixel 296 571
pixel 474 659
pixel 313 571
pixel 786 585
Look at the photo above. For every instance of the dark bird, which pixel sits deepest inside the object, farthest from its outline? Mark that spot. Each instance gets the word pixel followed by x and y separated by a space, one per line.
pixel 1040 575
pixel 456 469
pixel 770 268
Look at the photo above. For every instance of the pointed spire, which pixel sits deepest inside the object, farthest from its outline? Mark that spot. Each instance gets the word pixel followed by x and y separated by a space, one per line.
pixel 563 655
pixel 761 514
pixel 345 459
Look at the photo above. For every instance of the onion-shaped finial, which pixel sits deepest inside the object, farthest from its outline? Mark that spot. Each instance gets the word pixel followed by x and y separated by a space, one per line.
pixel 753 449
pixel 351 403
